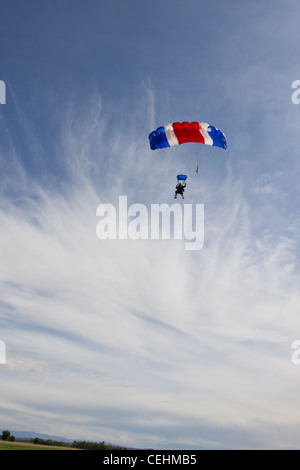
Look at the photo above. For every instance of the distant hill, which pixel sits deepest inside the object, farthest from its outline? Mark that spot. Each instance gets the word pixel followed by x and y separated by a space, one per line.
pixel 33 435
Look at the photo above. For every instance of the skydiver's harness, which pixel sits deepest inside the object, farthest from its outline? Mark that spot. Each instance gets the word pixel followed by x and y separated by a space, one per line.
pixel 180 188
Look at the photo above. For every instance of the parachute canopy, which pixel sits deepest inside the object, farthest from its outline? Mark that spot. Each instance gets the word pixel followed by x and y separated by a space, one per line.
pixel 182 132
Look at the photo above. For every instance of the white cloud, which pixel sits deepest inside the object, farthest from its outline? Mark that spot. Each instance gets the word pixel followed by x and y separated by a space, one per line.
pixel 139 342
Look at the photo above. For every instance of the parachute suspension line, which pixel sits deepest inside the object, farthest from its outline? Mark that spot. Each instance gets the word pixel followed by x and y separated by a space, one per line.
pixel 197 169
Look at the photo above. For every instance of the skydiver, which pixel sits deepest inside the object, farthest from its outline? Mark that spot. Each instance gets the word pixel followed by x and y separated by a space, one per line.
pixel 180 190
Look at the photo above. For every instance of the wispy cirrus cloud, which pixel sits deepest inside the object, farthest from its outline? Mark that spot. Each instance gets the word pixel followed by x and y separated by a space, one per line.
pixel 137 342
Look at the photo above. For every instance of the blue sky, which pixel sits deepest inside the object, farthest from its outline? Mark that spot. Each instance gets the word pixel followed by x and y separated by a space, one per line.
pixel 141 342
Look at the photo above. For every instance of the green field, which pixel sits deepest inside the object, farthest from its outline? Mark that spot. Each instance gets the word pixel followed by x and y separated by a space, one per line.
pixel 18 445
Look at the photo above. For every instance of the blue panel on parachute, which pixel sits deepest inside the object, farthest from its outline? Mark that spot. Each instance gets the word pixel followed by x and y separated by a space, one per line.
pixel 158 139
pixel 218 138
